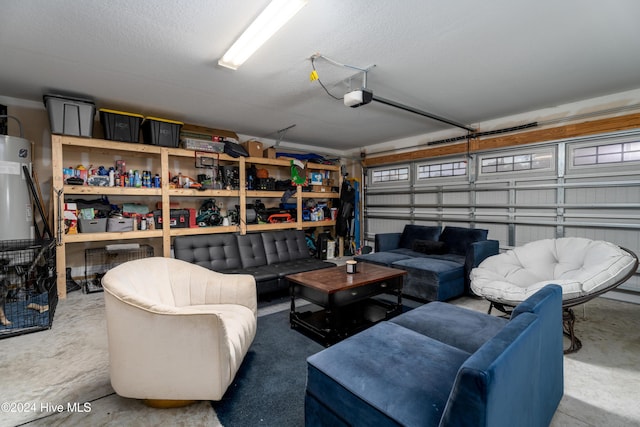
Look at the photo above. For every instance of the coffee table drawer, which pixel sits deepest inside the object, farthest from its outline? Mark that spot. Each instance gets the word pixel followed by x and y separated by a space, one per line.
pixel 347 296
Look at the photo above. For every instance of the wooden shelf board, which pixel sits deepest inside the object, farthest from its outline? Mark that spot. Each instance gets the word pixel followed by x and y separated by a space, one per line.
pixel 267 227
pixel 203 230
pixel 318 166
pixel 125 235
pixel 324 223
pixel 320 195
pixel 265 161
pixel 191 192
pixel 109 145
pixel 264 193
pixel 124 191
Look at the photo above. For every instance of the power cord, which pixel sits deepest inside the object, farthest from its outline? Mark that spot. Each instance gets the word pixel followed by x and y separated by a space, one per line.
pixel 313 65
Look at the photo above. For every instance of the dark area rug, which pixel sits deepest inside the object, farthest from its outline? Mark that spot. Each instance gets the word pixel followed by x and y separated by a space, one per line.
pixel 269 387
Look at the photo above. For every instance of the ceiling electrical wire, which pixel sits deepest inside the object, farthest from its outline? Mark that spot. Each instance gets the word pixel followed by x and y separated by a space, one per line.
pixel 313 65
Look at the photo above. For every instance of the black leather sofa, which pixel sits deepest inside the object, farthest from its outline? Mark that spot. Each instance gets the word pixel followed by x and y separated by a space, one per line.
pixel 268 256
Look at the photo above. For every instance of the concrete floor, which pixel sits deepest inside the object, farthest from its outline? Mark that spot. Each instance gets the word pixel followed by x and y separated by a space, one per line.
pixel 68 364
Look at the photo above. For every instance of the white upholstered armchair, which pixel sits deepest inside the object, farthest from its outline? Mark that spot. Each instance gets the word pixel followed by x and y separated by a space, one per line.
pixel 176 331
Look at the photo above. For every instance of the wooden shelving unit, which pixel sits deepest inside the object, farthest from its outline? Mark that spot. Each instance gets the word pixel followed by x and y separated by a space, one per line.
pixel 161 158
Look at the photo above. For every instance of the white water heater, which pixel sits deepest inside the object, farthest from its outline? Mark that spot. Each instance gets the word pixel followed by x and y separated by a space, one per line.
pixel 16 211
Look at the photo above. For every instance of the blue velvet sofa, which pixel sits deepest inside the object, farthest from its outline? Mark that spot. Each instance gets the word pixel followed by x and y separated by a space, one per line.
pixel 442 365
pixel 437 261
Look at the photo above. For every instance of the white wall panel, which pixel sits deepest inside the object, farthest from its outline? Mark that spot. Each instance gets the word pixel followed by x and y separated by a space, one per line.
pixel 499 232
pixel 426 198
pixel 492 197
pixel 530 233
pixel 456 198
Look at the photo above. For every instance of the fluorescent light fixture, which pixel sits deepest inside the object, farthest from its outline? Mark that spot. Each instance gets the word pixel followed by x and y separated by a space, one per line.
pixel 266 24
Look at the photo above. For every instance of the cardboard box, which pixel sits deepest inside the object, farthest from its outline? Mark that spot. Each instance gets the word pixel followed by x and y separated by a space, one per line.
pixel 210 134
pixel 269 153
pixel 254 148
pixel 315 178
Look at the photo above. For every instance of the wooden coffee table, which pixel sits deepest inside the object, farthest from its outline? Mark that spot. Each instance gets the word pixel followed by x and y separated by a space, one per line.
pixel 346 303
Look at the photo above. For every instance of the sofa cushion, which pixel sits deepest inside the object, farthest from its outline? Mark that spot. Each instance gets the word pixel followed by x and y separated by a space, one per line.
pixel 262 273
pixel 431 279
pixel 410 253
pixel 382 258
pixel 299 266
pixel 386 375
pixel 429 247
pixel 216 252
pixel 285 245
pixel 459 259
pixel 459 238
pixel 413 232
pixel 251 250
pixel 457 326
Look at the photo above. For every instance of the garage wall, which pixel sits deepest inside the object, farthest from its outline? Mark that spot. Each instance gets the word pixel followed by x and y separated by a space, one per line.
pixel 580 187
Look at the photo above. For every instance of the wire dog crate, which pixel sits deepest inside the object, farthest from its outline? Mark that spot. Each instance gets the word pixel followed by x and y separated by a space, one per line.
pixel 98 261
pixel 28 291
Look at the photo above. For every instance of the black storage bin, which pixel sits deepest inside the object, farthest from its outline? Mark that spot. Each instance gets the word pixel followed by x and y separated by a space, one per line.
pixel 120 126
pixel 179 218
pixel 162 132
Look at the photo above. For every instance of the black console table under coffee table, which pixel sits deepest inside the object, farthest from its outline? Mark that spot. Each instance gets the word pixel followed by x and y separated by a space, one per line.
pixel 346 300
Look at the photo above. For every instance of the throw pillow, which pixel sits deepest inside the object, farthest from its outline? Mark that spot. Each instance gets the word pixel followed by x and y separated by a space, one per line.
pixel 413 232
pixel 429 247
pixel 459 238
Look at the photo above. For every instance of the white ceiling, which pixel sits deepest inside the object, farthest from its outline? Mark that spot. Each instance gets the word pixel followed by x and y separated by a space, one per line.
pixel 466 60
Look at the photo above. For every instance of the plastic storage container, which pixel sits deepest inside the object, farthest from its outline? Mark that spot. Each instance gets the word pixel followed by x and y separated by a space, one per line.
pixel 162 132
pixel 120 224
pixel 97 225
pixel 70 116
pixel 120 126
